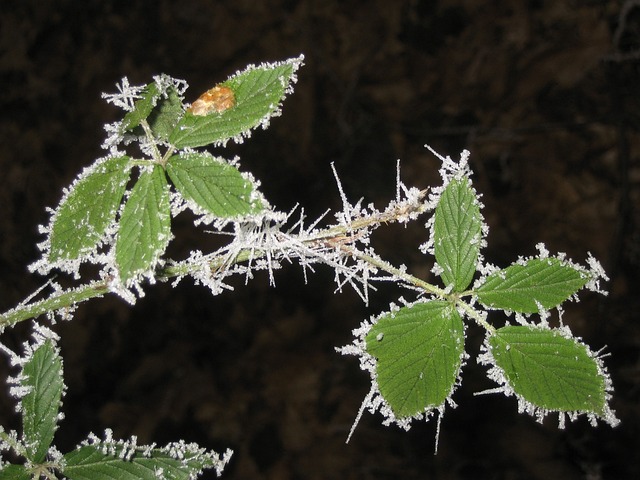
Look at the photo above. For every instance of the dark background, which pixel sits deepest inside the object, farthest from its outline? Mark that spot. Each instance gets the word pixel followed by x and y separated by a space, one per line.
pixel 543 93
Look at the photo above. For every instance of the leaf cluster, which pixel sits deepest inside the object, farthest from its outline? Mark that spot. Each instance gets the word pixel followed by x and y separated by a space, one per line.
pixel 118 214
pixel 415 353
pixel 120 219
pixel 40 388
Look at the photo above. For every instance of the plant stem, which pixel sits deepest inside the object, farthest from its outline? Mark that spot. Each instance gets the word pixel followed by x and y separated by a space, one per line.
pixel 427 287
pixel 330 236
pixel 473 313
pixel 57 301
pixel 152 140
pixel 401 274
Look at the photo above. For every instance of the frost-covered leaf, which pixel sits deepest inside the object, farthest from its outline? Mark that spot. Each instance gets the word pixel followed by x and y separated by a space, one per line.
pixel 215 186
pixel 142 107
pixel 88 208
pixel 457 233
pixel 166 114
pixel 419 353
pixel 145 225
pixel 15 472
pixel 126 462
pixel 258 90
pixel 550 370
pixel 42 375
pixel 545 282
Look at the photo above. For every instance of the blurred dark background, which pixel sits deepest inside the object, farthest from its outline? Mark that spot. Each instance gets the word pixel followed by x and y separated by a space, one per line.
pixel 544 94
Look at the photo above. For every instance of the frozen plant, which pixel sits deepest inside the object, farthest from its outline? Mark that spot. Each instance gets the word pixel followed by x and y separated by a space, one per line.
pixel 117 215
pixel 414 353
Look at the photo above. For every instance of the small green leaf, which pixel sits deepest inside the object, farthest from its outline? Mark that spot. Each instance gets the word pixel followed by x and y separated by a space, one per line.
pixel 522 288
pixel 549 370
pixel 215 186
pixel 43 376
pixel 15 472
pixel 88 209
pixel 145 226
pixel 114 460
pixel 419 353
pixel 259 91
pixel 142 108
pixel 166 114
pixel 457 233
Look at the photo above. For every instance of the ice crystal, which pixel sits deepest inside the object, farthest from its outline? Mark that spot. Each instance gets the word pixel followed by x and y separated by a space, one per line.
pixel 186 453
pixel 266 240
pixel 92 255
pixel 597 274
pixel 498 375
pixel 450 170
pixel 126 96
pixel 374 401
pixel 39 336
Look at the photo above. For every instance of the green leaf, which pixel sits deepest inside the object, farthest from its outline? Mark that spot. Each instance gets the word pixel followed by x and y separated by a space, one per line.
pixel 145 226
pixel 259 91
pixel 457 233
pixel 15 472
pixel 166 114
pixel 142 108
pixel 549 370
pixel 520 288
pixel 88 209
pixel 215 186
pixel 43 376
pixel 419 353
pixel 116 460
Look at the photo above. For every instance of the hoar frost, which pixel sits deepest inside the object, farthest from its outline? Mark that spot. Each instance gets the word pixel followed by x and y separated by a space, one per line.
pixel 498 375
pixel 375 401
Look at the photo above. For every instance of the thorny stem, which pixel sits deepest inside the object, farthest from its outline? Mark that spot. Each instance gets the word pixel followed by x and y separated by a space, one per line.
pixel 427 287
pixel 473 313
pixel 401 274
pixel 57 301
pixel 338 234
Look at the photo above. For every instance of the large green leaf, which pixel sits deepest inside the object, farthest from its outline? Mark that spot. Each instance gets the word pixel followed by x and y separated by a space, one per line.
pixel 258 91
pixel 215 186
pixel 523 288
pixel 419 353
pixel 549 370
pixel 42 374
pixel 457 233
pixel 118 461
pixel 145 225
pixel 88 209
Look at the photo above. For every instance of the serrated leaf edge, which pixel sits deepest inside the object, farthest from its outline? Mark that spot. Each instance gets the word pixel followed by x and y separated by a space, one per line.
pixel 473 245
pixel 35 404
pixel 452 170
pixel 134 277
pixel 374 400
pixel 560 260
pixel 295 63
pixel 181 451
pixel 43 265
pixel 498 375
pixel 180 202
